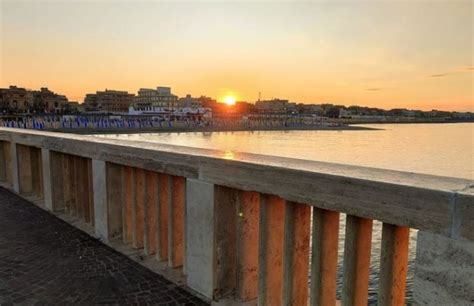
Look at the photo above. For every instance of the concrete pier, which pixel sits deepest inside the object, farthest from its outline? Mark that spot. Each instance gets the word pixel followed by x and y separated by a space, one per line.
pixel 237 231
pixel 444 271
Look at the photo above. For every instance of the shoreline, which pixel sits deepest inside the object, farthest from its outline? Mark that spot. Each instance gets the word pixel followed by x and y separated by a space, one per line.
pixel 211 129
pixel 410 122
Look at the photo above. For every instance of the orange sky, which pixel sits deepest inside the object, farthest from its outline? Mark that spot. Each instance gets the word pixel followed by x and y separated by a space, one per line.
pixel 381 54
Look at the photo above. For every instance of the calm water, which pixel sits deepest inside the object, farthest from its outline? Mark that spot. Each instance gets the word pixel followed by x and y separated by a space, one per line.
pixel 438 149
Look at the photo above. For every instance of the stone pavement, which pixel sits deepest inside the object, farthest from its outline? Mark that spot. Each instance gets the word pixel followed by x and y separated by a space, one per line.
pixel 45 261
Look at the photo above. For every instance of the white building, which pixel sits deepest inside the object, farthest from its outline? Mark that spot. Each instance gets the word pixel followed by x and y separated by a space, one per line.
pixel 189 102
pixel 155 100
pixel 162 102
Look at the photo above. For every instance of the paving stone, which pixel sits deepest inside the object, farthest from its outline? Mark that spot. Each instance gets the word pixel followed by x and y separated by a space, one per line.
pixel 45 261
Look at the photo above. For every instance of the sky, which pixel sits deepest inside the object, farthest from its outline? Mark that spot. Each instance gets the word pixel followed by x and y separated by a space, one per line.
pixel 387 54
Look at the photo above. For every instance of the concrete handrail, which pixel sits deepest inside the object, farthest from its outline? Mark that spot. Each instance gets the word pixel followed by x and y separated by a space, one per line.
pixel 441 205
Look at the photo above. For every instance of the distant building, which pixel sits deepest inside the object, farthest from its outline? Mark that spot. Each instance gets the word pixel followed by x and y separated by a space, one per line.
pixel 207 101
pixel 162 103
pixel 46 101
pixel 309 109
pixel 345 113
pixel 189 102
pixel 74 106
pixel 155 100
pixel 16 99
pixel 108 101
pixel 273 106
pixel 401 112
pixel 463 115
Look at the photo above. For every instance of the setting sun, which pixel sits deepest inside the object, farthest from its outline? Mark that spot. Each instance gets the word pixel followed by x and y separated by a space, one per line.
pixel 229 100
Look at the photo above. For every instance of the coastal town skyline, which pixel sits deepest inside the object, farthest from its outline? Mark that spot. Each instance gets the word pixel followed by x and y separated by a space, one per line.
pixel 229 100
pixel 343 53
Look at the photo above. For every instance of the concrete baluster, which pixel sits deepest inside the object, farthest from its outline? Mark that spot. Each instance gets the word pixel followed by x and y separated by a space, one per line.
pixel 324 257
pixel 8 162
pixel 225 241
pixel 78 196
pixel 72 185
pixel 164 197
pixel 129 204
pixel 270 273
pixel 115 200
pixel 99 177
pixel 85 189
pixel 36 172
pixel 3 163
pixel 15 167
pixel 90 189
pixel 296 254
pixel 151 212
pixel 176 210
pixel 25 177
pixel 393 265
pixel 53 182
pixel 138 211
pixel 357 247
pixel 200 253
pixel 247 245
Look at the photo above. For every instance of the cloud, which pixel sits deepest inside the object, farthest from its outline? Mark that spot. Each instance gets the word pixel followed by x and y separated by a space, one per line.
pixel 457 71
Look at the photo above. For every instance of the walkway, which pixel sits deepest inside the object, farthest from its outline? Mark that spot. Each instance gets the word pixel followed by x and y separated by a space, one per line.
pixel 45 261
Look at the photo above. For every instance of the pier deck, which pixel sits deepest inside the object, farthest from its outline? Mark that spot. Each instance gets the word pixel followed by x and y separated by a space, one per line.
pixel 45 261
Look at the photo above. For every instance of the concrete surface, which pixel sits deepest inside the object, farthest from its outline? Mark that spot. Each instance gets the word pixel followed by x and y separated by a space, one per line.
pixel 45 261
pixel 200 237
pixel 444 271
pixel 418 201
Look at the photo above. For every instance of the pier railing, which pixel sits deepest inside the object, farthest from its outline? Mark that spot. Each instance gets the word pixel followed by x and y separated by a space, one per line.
pixel 241 227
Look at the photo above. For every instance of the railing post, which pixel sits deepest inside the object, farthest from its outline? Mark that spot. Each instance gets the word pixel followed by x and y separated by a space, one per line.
pixel 164 194
pixel 25 175
pixel 130 198
pixel 36 172
pixel 247 245
pixel 151 212
pixel 90 187
pixel 3 162
pixel 211 240
pixel 67 184
pixel 200 237
pixel 99 178
pixel 270 273
pixel 79 195
pixel 176 210
pixel 86 190
pixel 324 257
pixel 53 182
pixel 393 265
pixel 8 162
pixel 225 244
pixel 357 247
pixel 47 186
pixel 138 211
pixel 115 200
pixel 14 167
pixel 71 190
pixel 296 254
